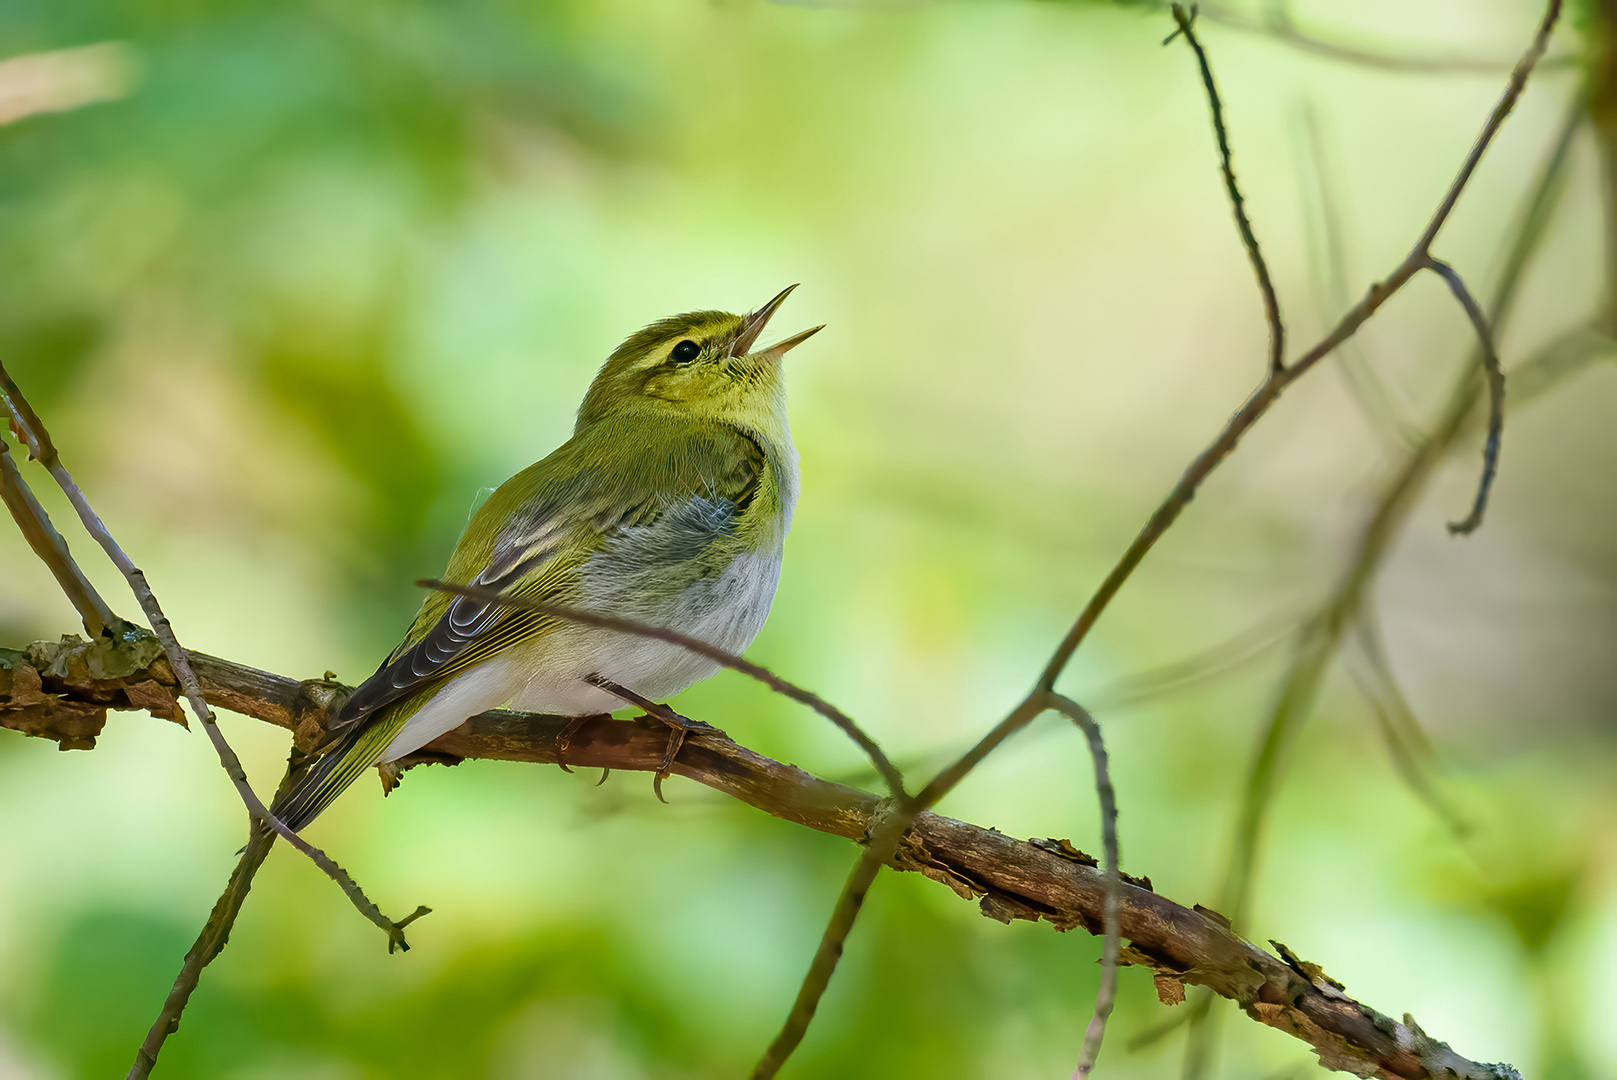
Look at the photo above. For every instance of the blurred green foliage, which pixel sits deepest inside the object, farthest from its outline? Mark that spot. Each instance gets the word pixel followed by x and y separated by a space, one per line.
pixel 329 269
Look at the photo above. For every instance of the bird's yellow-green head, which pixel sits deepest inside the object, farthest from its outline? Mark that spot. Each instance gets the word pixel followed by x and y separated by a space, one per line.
pixel 703 364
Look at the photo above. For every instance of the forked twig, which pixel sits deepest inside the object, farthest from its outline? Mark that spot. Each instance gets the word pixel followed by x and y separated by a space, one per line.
pixel 1250 412
pixel 1346 606
pixel 28 427
pixel 1043 880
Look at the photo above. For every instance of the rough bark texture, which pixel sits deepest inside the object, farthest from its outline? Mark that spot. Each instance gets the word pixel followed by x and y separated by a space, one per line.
pixel 63 690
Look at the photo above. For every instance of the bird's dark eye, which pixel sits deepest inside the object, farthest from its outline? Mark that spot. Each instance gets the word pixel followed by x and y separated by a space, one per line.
pixel 686 351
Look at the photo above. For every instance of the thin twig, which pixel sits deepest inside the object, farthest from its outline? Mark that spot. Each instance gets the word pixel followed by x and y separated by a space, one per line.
pixel 1238 425
pixel 1106 995
pixel 887 829
pixel 1398 498
pixel 51 548
pixel 33 432
pixel 208 945
pixel 890 774
pixel 1271 303
pixel 1345 607
pixel 28 427
pixel 1041 880
pixel 1496 392
pixel 1287 32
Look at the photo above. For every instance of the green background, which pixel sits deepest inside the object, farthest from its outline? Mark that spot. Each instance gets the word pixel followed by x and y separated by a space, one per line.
pixel 332 267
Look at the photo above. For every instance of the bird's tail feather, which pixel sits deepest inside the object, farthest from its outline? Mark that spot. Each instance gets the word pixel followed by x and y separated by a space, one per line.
pixel 329 775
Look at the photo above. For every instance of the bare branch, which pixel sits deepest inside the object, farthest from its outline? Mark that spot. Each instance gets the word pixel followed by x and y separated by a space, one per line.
pixel 1271 303
pixel 1106 995
pixel 208 945
pixel 1249 413
pixel 28 427
pixel 51 548
pixel 887 828
pixel 1341 611
pixel 890 774
pixel 1278 378
pixel 1496 392
pixel 1046 880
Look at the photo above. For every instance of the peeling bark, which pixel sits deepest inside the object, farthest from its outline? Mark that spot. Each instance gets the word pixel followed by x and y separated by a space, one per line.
pixel 63 690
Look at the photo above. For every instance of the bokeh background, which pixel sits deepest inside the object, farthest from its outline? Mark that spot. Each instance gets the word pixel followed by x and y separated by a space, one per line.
pixel 317 273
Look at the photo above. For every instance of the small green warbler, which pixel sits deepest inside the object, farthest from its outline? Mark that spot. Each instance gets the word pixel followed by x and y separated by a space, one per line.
pixel 669 505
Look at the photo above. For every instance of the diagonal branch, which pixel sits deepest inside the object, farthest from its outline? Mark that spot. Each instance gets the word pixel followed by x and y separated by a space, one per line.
pixel 889 773
pixel 888 826
pixel 1278 378
pixel 1011 879
pixel 1345 605
pixel 1249 414
pixel 32 431
pixel 51 548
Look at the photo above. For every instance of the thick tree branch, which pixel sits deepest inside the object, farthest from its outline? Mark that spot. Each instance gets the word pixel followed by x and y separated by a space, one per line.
pixel 1011 879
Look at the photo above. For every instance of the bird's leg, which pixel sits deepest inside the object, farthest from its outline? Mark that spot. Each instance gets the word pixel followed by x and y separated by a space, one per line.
pixel 565 739
pixel 679 726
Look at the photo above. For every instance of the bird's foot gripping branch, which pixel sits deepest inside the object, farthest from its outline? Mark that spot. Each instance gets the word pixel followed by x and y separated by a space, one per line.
pixel 63 690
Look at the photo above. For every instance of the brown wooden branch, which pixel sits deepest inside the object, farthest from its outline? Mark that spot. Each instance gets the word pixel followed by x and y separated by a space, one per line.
pixel 51 548
pixel 62 690
pixel 28 427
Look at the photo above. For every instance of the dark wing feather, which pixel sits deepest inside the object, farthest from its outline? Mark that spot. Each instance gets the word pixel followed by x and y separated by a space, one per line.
pixel 731 466
pixel 447 647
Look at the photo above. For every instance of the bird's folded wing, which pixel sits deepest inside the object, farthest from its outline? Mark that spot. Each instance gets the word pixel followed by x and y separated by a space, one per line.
pixel 468 631
pixel 537 556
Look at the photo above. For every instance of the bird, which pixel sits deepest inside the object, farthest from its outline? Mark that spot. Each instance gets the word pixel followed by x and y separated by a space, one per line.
pixel 669 505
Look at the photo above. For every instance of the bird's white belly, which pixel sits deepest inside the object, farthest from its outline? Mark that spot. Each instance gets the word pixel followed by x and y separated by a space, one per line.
pixel 726 611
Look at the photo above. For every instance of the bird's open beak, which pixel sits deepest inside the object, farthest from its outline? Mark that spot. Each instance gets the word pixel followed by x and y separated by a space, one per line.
pixel 754 325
